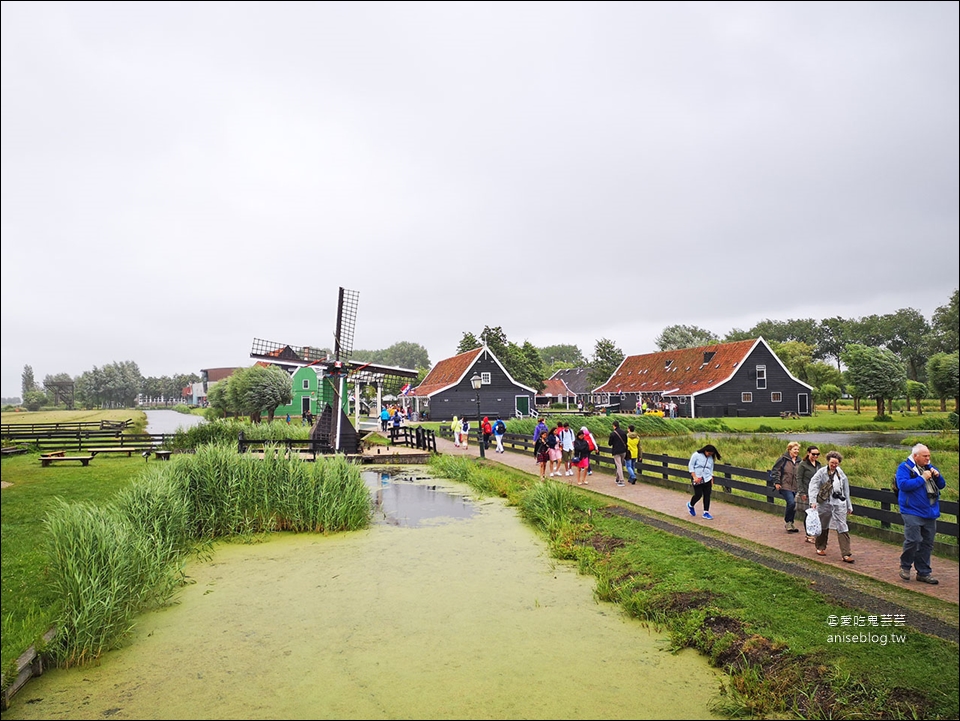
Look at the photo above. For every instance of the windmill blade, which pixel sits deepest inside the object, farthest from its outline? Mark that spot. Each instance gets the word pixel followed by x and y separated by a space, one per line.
pixel 346 324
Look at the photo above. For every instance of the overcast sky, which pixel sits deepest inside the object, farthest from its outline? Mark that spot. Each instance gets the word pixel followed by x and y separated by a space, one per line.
pixel 178 179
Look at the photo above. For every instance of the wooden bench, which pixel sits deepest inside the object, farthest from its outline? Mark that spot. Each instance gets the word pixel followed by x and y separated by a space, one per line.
pixel 47 460
pixel 163 455
pixel 129 450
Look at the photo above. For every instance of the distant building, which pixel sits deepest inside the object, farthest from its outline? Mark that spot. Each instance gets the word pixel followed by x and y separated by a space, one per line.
pixel 744 378
pixel 576 380
pixel 448 392
pixel 556 391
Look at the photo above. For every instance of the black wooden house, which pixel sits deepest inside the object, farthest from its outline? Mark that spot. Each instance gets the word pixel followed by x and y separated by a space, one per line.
pixel 448 390
pixel 744 378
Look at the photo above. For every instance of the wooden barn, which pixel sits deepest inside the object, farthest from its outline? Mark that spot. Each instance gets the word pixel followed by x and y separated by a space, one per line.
pixel 449 392
pixel 744 378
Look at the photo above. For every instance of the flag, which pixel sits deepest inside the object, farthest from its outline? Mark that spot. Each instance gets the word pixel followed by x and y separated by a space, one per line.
pixel 405 390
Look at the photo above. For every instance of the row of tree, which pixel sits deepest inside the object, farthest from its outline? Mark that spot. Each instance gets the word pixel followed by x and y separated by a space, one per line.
pixel 114 385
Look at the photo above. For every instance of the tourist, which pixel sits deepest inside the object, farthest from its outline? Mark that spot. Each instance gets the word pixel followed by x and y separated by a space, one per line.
pixel 829 493
pixel 805 471
pixel 618 449
pixel 581 456
pixel 701 472
pixel 634 454
pixel 541 453
pixel 784 477
pixel 918 491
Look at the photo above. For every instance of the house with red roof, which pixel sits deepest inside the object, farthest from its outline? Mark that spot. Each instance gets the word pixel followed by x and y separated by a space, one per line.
pixel 447 390
pixel 555 391
pixel 744 378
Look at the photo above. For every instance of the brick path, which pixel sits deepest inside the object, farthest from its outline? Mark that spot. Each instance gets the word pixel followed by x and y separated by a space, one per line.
pixel 874 558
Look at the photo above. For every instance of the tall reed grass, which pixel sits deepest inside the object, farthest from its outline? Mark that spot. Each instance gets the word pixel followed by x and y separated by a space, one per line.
pixel 226 431
pixel 108 563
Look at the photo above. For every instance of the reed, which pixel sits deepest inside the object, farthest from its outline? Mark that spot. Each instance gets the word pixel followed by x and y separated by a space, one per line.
pixel 108 563
pixel 227 431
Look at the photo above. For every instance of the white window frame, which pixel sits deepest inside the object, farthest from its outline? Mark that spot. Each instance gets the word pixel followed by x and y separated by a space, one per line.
pixel 761 378
pixel 746 397
pixel 485 378
pixel 306 384
pixel 776 397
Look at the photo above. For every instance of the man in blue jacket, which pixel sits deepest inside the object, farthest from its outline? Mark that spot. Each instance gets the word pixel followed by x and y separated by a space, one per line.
pixel 919 485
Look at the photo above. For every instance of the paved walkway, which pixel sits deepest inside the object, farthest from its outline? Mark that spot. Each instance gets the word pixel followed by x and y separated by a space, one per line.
pixel 874 558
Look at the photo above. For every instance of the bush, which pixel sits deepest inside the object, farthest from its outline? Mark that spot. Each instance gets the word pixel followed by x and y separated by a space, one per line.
pixel 883 418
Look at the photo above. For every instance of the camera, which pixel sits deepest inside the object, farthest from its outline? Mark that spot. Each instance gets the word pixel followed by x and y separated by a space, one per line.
pixel 839 496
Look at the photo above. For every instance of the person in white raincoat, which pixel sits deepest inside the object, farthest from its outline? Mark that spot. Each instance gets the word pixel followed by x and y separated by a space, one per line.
pixel 829 493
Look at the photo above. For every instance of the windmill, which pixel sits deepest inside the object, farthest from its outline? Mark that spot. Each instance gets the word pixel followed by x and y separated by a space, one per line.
pixel 333 430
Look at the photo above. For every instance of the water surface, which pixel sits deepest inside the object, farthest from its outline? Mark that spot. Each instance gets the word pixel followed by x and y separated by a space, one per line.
pixel 453 613
pixel 170 421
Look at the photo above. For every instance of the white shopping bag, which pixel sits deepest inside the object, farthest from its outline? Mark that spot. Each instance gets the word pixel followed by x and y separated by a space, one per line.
pixel 813 522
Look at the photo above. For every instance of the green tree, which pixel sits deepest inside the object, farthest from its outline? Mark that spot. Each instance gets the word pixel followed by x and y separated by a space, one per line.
pixel 917 391
pixel 831 339
pixel 27 382
pixel 944 326
pixel 268 388
pixel 218 398
pixel 468 342
pixel 877 372
pixel 943 374
pixel 828 393
pixel 405 354
pixel 402 354
pixel 676 337
pixel 802 330
pixel 34 400
pixel 606 358
pixel 563 353
pixel 905 333
pixel 796 356
pixel 820 373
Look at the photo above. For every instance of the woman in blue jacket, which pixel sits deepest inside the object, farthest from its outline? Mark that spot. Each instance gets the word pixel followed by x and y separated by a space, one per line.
pixel 701 473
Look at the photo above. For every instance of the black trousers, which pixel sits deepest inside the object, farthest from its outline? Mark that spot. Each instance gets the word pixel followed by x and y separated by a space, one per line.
pixel 702 491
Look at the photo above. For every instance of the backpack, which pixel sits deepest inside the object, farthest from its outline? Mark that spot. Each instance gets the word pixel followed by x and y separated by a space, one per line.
pixel 465 426
pixel 499 428
pixel 589 439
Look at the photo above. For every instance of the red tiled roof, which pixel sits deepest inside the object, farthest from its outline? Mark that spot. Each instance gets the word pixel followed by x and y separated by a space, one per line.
pixel 555 388
pixel 446 373
pixel 679 372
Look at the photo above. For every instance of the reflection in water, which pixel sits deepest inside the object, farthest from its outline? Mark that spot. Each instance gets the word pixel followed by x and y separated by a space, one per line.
pixel 468 619
pixel 402 501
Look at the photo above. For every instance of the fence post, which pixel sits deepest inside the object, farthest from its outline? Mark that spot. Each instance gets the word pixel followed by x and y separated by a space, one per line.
pixel 240 442
pixel 666 476
pixel 884 507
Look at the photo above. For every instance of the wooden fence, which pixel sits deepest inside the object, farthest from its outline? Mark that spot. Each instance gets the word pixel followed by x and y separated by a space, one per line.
pixel 749 487
pixel 47 441
pixel 417 437
pixel 14 430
